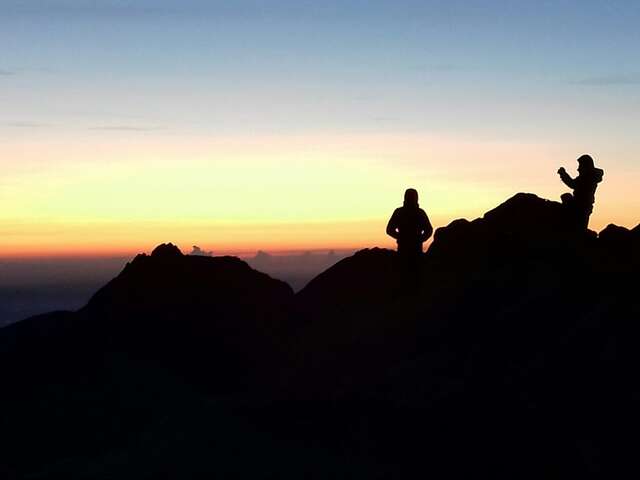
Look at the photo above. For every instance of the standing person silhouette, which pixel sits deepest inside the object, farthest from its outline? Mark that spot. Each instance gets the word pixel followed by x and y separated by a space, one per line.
pixel 410 226
pixel 584 186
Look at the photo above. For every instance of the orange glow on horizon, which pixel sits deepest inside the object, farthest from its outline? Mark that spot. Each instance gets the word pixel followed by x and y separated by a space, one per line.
pixel 122 196
pixel 238 240
pixel 242 240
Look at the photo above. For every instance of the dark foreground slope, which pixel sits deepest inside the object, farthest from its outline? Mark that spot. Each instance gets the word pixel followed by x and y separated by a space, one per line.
pixel 116 379
pixel 520 346
pixel 515 354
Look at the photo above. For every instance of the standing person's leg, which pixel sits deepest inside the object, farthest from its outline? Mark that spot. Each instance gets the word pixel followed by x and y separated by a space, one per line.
pixel 584 212
pixel 409 263
pixel 573 212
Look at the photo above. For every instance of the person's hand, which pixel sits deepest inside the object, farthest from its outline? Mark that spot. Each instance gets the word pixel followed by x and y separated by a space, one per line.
pixel 561 171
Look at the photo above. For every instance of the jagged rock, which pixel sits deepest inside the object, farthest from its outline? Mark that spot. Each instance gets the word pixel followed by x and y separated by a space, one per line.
pixel 524 223
pixel 166 250
pixel 524 217
pixel 528 215
pixel 367 276
pixel 614 234
pixel 200 313
pixel 460 243
pixel 620 248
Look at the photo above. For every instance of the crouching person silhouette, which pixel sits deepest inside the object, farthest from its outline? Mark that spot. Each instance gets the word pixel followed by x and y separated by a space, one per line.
pixel 580 204
pixel 410 226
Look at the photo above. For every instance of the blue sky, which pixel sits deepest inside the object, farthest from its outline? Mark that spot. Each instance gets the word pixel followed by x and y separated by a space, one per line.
pixel 324 65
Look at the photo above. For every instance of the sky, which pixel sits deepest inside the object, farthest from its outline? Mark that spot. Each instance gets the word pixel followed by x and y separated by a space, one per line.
pixel 286 125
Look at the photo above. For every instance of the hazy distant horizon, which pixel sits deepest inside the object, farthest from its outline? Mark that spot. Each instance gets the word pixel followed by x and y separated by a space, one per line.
pixel 31 286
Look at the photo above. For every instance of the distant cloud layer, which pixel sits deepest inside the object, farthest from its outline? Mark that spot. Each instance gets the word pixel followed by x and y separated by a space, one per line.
pixel 4 72
pixel 608 80
pixel 24 124
pixel 126 128
pixel 200 253
pixel 295 269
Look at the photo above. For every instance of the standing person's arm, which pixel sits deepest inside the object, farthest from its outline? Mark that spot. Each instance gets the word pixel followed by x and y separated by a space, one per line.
pixel 392 226
pixel 426 229
pixel 566 178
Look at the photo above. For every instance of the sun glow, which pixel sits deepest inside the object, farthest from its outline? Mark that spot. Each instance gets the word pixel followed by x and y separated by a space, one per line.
pixel 102 196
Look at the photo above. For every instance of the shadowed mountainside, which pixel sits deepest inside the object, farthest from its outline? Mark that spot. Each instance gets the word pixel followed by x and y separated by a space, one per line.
pixel 192 310
pixel 516 352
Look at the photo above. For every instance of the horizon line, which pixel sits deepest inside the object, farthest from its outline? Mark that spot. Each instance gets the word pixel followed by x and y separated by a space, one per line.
pixel 242 253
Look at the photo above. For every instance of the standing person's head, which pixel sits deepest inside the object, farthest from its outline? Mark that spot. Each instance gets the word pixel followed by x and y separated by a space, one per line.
pixel 585 163
pixel 411 197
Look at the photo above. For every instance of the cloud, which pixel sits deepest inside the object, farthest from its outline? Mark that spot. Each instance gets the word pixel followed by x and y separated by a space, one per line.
pixel 610 80
pixel 6 73
pixel 440 67
pixel 295 268
pixel 69 8
pixel 24 124
pixel 262 256
pixel 446 67
pixel 200 253
pixel 126 128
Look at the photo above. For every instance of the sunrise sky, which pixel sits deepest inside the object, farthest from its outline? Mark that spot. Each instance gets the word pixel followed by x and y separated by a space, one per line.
pixel 283 125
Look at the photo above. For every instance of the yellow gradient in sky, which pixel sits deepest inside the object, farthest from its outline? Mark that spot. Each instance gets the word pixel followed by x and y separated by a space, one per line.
pixel 125 193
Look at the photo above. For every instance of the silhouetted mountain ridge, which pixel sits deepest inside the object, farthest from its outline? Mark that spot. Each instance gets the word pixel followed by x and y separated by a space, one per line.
pixel 516 351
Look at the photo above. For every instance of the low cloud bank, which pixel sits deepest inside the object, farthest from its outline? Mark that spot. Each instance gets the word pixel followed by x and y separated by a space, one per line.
pixel 199 252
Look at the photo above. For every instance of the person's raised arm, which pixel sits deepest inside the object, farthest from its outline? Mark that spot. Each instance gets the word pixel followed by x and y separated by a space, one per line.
pixel 566 178
pixel 392 226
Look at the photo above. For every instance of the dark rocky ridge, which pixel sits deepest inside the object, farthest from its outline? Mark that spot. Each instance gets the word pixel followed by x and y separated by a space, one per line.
pixel 517 353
